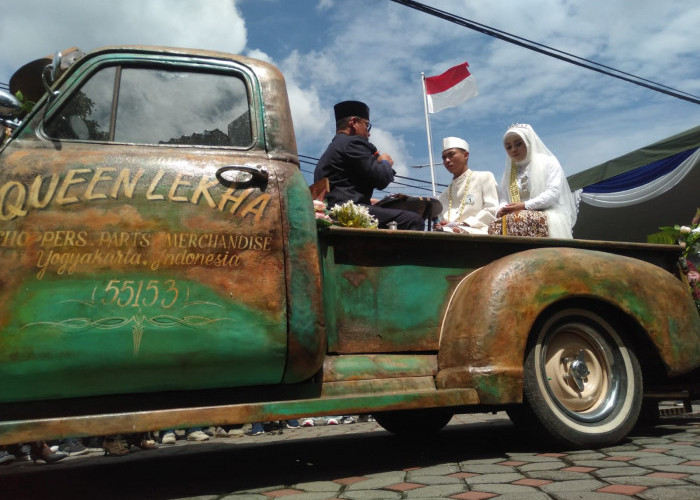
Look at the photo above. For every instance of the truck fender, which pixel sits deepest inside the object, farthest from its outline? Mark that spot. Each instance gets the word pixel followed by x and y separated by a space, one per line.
pixel 307 341
pixel 492 311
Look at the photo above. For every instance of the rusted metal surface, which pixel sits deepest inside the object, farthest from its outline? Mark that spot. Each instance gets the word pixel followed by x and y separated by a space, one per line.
pixel 386 291
pixel 371 366
pixel 493 310
pixel 379 386
pixel 386 305
pixel 122 423
pixel 306 336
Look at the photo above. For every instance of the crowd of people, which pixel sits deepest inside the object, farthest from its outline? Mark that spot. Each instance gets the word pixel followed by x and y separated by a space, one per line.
pixel 532 199
pixel 121 445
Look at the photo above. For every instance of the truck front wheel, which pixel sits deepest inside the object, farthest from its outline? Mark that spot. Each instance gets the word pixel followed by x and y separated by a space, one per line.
pixel 582 384
pixel 413 422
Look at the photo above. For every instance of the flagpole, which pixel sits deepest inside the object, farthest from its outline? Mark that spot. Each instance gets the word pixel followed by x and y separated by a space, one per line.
pixel 427 127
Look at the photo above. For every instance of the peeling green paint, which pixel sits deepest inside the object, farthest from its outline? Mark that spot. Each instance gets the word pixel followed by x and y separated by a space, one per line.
pixel 81 346
pixel 390 308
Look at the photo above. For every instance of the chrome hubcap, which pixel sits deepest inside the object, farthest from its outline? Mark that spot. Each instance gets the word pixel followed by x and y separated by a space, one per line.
pixel 577 369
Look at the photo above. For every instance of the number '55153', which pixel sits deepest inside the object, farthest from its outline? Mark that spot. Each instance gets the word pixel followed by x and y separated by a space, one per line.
pixel 131 293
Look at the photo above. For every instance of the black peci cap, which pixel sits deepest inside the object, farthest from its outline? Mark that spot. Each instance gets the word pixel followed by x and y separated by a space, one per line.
pixel 351 108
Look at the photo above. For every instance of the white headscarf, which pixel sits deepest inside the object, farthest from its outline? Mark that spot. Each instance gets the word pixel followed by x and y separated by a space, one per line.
pixel 539 161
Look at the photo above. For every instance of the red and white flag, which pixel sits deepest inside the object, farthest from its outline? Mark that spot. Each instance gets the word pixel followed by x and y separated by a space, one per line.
pixel 450 89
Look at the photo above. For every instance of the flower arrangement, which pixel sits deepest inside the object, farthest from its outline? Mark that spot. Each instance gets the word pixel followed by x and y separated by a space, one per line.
pixel 688 237
pixel 347 215
pixel 350 215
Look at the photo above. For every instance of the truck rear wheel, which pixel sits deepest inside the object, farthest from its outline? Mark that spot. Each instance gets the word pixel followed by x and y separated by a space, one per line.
pixel 413 422
pixel 582 384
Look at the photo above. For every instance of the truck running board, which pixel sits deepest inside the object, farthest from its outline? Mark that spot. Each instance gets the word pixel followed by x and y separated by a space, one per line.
pixel 180 418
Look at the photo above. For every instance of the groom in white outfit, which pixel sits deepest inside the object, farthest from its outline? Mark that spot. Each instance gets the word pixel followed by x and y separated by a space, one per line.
pixel 470 201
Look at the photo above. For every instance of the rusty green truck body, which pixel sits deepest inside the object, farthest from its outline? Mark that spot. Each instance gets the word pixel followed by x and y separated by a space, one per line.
pixel 160 266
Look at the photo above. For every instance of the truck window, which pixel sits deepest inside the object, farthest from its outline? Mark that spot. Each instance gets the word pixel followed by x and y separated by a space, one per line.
pixel 156 106
pixel 86 115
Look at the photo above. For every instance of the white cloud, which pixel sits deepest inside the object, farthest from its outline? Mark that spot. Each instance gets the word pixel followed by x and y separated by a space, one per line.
pixel 259 54
pixel 325 4
pixel 35 28
pixel 386 142
pixel 306 110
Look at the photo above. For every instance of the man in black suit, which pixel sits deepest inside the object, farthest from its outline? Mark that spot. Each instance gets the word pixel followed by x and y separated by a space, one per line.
pixel 355 168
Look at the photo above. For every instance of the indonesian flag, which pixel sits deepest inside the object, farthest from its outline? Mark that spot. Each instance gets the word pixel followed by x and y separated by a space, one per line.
pixel 450 89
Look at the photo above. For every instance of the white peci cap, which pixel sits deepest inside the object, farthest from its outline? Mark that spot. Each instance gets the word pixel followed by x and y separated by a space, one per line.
pixel 454 142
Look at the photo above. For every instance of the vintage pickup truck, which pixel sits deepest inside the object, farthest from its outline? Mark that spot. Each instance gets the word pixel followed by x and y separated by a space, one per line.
pixel 161 266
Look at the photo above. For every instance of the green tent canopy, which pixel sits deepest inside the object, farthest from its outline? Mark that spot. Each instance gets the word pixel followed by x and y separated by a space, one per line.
pixel 630 197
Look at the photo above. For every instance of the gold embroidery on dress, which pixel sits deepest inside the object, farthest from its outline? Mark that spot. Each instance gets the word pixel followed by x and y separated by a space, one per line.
pixel 513 188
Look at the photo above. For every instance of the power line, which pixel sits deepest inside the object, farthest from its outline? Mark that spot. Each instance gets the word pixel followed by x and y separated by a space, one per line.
pixel 308 157
pixel 396 183
pixel 411 186
pixel 310 160
pixel 550 51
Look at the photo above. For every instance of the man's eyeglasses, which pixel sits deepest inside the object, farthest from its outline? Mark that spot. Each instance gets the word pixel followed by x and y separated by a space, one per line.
pixel 366 123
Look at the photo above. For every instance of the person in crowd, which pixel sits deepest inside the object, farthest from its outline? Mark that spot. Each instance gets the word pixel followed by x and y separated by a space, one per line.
pixel 227 431
pixel 6 456
pixel 119 445
pixel 191 434
pixel 355 168
pixel 258 428
pixel 470 202
pixel 39 450
pixel 72 447
pixel 534 194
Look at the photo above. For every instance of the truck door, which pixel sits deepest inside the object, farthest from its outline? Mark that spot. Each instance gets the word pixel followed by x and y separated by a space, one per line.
pixel 140 234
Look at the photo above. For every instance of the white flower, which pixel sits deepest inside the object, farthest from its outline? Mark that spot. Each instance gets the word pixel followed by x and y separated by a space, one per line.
pixel 350 215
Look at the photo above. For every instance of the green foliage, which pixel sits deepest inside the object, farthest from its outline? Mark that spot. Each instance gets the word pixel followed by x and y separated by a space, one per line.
pixel 688 237
pixel 26 105
pixel 667 236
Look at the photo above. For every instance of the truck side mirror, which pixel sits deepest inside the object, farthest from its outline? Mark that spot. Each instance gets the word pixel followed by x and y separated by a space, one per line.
pixel 48 76
pixel 9 106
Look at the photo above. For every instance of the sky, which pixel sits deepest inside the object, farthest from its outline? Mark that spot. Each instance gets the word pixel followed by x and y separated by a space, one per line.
pixel 376 50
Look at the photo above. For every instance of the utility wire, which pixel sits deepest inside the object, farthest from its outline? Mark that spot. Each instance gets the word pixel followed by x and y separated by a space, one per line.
pixel 420 188
pixel 310 160
pixel 549 51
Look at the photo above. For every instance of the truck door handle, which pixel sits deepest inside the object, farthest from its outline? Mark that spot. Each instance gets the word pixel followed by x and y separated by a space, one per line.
pixel 241 176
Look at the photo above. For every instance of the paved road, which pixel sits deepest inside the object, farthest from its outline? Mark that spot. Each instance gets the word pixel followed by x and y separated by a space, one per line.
pixel 474 457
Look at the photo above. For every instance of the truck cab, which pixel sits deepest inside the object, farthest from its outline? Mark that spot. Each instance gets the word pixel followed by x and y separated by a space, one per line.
pixel 145 208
